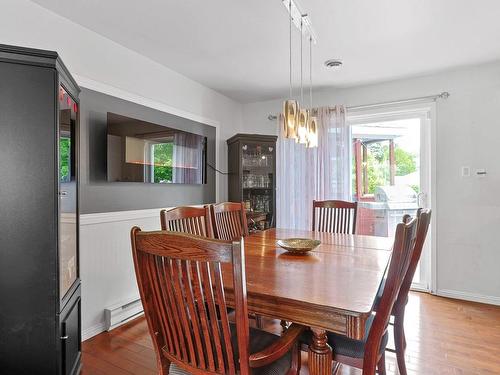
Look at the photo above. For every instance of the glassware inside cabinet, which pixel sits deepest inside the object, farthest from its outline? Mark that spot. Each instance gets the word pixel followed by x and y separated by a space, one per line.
pixel 257 156
pixel 255 180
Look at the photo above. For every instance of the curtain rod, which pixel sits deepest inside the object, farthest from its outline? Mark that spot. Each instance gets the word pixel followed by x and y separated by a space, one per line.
pixel 443 95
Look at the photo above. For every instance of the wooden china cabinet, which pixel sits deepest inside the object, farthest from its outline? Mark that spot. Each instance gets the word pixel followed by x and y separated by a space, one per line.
pixel 252 177
pixel 40 324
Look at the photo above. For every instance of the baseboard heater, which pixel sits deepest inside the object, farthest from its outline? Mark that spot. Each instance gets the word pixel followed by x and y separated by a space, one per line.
pixel 121 313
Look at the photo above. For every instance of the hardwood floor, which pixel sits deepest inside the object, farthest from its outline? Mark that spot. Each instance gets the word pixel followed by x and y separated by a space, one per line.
pixel 444 336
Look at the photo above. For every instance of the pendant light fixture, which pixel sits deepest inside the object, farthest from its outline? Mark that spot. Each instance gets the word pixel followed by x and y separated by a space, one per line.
pixel 290 106
pixel 312 123
pixel 303 113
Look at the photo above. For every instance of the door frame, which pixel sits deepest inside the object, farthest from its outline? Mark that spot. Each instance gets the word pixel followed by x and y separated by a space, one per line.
pixel 426 111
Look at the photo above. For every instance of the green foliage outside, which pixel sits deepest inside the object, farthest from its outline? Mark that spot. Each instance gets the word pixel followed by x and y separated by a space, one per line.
pixel 379 168
pixel 405 162
pixel 64 155
pixel 163 154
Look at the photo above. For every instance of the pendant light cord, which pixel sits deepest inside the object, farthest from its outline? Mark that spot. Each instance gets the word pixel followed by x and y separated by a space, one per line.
pixel 301 69
pixel 290 37
pixel 310 73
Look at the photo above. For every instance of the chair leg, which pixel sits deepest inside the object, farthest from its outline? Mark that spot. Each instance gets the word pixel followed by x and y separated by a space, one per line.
pixel 400 342
pixel 381 365
pixel 258 321
pixel 163 366
pixel 404 336
pixel 296 360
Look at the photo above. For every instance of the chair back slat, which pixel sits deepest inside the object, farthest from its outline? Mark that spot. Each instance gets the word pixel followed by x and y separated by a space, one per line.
pixel 401 256
pixel 191 310
pixel 182 290
pixel 334 216
pixel 166 299
pixel 424 219
pixel 203 315
pixel 220 301
pixel 229 220
pixel 192 220
pixel 173 265
pixel 212 313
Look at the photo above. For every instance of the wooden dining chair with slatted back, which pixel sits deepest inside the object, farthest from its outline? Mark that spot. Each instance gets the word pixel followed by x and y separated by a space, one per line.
pixel 192 220
pixel 229 220
pixel 183 282
pixel 368 354
pixel 334 216
pixel 398 311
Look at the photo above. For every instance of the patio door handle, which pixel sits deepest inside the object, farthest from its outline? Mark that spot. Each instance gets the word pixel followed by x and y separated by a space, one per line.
pixel 421 200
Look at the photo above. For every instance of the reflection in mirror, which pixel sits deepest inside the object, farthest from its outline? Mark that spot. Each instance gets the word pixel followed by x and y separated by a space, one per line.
pixel 68 266
pixel 140 151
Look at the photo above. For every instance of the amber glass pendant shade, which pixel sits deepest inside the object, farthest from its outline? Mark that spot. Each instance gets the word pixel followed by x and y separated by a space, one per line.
pixel 312 132
pixel 284 126
pixel 291 112
pixel 302 131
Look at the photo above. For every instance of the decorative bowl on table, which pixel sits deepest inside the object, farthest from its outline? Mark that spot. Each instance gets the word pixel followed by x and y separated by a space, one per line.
pixel 298 245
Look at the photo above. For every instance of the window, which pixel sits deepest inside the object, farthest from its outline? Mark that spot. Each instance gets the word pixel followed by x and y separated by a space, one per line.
pixel 384 154
pixel 162 155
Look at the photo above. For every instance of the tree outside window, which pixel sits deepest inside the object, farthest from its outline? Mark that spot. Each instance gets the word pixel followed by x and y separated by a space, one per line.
pixel 162 159
pixel 64 159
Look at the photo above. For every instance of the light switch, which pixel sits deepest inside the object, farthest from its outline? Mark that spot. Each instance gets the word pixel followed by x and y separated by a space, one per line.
pixel 465 171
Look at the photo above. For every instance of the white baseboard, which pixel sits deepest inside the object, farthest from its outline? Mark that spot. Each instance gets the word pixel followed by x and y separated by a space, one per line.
pixel 93 331
pixel 473 297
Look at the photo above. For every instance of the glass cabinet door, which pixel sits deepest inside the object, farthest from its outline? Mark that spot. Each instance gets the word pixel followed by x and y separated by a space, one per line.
pixel 68 259
pixel 258 183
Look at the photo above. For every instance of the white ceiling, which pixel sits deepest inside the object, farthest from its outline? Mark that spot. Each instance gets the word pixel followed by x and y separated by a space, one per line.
pixel 240 48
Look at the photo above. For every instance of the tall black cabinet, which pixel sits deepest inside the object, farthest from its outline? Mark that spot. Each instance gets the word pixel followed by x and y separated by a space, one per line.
pixel 252 177
pixel 39 267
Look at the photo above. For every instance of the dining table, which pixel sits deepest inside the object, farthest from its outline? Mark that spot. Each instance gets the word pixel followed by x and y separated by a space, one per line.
pixel 330 289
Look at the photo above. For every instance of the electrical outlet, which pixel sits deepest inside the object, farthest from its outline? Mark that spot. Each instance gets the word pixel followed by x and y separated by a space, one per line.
pixel 465 171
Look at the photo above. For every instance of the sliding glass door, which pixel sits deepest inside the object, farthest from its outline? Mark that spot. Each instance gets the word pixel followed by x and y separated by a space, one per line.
pixel 391 171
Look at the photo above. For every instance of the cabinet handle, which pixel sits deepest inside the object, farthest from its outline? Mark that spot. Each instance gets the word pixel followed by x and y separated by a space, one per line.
pixel 63 193
pixel 64 337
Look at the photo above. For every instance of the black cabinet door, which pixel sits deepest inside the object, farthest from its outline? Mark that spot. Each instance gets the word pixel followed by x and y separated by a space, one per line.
pixel 71 336
pixel 27 217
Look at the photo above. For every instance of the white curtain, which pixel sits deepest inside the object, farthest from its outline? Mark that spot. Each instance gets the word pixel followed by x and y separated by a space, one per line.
pixel 319 173
pixel 187 158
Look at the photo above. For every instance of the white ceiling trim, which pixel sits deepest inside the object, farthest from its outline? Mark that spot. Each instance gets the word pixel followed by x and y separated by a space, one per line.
pixel 139 99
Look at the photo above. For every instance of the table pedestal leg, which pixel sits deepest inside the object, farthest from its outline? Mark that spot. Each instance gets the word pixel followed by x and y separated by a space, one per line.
pixel 320 354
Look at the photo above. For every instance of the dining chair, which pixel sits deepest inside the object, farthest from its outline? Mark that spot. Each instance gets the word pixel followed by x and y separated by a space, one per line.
pixel 192 220
pixel 229 220
pixel 334 216
pixel 368 354
pixel 182 288
pixel 398 311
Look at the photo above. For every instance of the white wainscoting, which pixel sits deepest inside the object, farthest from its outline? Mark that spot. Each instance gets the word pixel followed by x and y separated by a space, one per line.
pixel 106 265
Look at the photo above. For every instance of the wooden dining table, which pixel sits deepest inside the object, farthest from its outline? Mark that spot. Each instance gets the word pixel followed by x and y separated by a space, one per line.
pixel 332 288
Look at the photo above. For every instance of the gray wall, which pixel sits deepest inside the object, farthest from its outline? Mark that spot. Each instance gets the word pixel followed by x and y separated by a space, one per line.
pixel 98 195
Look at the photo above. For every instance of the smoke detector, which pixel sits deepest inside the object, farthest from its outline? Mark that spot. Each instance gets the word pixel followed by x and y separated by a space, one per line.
pixel 333 63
